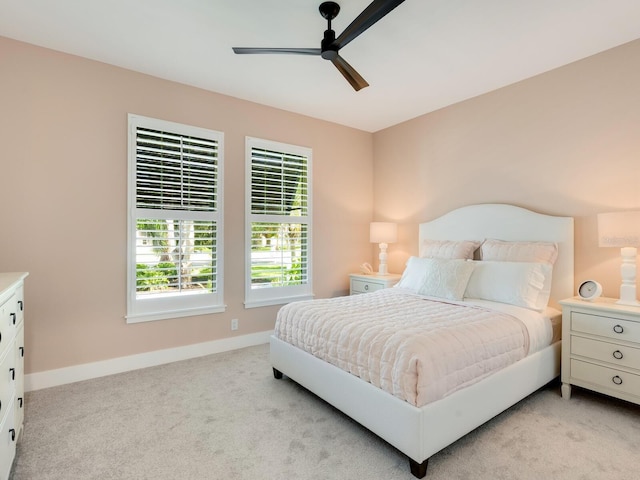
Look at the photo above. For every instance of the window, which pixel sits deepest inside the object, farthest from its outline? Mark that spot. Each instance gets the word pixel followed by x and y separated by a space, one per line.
pixel 278 219
pixel 175 220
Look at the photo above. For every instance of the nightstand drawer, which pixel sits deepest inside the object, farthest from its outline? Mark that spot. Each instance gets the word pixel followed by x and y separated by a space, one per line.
pixel 605 377
pixel 359 286
pixel 606 352
pixel 610 327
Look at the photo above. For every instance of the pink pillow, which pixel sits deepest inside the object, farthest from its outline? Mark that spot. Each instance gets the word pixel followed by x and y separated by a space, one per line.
pixel 448 249
pixel 501 251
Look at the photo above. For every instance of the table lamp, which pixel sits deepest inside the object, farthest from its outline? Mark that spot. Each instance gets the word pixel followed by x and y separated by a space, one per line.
pixel 622 229
pixel 383 233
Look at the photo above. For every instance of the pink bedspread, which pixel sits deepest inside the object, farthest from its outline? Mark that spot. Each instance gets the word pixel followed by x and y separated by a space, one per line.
pixel 416 349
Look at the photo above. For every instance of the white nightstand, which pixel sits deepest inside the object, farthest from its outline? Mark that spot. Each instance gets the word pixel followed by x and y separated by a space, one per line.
pixel 601 348
pixel 360 283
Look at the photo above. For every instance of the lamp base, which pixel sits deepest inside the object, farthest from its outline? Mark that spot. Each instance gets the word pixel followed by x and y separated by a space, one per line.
pixel 628 296
pixel 382 267
pixel 628 273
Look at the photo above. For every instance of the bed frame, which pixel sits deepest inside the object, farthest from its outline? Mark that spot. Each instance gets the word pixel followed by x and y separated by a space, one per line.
pixel 421 432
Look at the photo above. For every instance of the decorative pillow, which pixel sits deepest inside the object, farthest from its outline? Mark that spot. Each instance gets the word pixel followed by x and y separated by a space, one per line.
pixel 435 277
pixel 537 252
pixel 449 249
pixel 515 283
pixel 413 275
pixel 446 278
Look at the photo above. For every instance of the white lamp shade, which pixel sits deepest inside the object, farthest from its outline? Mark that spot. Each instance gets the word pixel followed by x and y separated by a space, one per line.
pixel 383 232
pixel 619 229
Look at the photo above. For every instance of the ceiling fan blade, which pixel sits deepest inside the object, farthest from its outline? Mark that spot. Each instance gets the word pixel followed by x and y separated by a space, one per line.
pixel 294 51
pixel 353 77
pixel 370 15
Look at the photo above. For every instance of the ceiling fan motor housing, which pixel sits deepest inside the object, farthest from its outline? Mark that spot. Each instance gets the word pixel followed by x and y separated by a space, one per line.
pixel 329 50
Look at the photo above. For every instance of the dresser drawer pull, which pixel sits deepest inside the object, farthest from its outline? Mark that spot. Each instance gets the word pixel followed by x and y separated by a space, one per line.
pixel 21 303
pixel 366 287
pixel 20 402
pixel 618 329
pixel 21 349
pixel 618 355
pixel 617 380
pixel 13 318
pixel 12 434
pixel 12 371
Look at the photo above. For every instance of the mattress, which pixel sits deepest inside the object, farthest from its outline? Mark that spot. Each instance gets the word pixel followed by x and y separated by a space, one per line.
pixel 417 348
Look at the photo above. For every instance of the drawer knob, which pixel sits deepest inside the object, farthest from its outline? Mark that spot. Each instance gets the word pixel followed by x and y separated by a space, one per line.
pixel 12 371
pixel 618 329
pixel 617 380
pixel 13 319
pixel 617 355
pixel 366 287
pixel 12 434
pixel 21 304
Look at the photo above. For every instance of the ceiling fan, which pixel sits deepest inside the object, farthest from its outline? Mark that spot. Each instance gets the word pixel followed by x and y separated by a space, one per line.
pixel 330 45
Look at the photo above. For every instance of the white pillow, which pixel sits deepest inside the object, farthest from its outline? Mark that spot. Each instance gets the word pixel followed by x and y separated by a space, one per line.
pixel 516 283
pixel 446 278
pixel 448 249
pixel 538 252
pixel 435 277
pixel 413 275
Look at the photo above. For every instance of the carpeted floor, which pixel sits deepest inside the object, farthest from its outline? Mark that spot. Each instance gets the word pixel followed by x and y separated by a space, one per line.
pixel 224 416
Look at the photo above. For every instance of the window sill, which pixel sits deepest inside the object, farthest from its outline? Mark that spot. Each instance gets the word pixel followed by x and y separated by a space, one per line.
pixel 277 301
pixel 168 314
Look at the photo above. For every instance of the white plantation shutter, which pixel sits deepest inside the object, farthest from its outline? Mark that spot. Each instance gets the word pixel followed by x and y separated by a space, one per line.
pixel 175 172
pixel 278 183
pixel 175 198
pixel 278 223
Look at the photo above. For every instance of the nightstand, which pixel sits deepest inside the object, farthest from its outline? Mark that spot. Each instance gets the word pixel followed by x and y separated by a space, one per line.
pixel 601 348
pixel 361 283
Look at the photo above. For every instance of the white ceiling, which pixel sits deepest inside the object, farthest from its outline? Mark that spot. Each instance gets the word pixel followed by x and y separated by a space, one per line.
pixel 424 55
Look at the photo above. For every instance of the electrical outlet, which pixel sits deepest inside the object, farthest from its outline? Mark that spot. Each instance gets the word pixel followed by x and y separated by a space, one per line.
pixel 234 324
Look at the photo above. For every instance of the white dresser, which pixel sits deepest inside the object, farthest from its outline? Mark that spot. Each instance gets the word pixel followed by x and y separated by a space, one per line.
pixel 11 367
pixel 601 348
pixel 361 283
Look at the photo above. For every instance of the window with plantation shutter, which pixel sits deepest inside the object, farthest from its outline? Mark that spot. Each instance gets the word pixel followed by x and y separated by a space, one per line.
pixel 175 220
pixel 278 223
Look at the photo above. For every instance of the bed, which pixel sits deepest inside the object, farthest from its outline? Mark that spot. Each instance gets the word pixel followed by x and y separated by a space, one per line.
pixel 419 429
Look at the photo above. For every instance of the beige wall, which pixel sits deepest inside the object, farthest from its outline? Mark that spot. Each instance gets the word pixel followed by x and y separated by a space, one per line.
pixel 566 142
pixel 63 180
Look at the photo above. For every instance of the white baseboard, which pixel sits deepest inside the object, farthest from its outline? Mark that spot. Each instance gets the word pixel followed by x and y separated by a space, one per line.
pixel 77 373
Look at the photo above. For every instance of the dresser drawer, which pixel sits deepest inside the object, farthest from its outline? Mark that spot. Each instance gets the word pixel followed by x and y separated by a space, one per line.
pixel 360 286
pixel 611 327
pixel 7 383
pixel 7 443
pixel 606 352
pixel 609 378
pixel 7 328
pixel 18 303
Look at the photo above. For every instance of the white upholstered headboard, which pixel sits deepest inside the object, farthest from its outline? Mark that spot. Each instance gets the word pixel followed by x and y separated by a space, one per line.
pixel 510 223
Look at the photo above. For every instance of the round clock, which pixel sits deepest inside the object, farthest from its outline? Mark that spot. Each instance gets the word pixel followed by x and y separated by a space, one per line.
pixel 589 290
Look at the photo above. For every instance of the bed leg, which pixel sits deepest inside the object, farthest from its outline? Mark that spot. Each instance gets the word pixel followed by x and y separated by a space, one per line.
pixel 277 374
pixel 418 470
